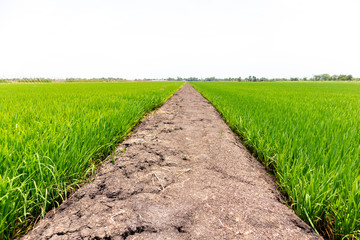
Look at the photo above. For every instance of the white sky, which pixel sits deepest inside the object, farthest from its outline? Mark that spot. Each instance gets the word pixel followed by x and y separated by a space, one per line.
pixel 169 38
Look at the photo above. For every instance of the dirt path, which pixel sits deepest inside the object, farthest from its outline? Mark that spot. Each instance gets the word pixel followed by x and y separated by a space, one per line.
pixel 183 174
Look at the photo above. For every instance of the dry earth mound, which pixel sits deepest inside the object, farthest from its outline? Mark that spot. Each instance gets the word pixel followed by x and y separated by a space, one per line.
pixel 182 174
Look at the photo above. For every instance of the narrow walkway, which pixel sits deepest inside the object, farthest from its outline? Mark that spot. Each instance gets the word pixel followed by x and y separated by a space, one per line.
pixel 183 174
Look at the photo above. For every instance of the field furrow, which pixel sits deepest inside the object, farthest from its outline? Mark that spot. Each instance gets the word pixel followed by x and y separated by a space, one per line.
pixel 182 174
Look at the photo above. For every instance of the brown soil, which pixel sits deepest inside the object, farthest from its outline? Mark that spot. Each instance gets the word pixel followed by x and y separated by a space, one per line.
pixel 182 174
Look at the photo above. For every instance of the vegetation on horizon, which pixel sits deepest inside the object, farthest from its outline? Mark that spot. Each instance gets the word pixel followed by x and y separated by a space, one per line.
pixel 53 136
pixel 321 77
pixel 308 133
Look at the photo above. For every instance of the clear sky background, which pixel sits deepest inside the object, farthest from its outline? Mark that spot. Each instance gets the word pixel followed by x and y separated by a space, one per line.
pixel 170 38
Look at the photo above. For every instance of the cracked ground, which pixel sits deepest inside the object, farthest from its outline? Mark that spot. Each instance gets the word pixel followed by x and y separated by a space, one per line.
pixel 182 174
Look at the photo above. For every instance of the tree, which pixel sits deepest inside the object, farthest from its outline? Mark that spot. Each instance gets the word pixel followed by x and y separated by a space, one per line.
pixel 325 77
pixel 317 77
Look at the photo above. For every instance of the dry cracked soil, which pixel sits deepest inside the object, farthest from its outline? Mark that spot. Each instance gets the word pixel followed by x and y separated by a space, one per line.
pixel 182 174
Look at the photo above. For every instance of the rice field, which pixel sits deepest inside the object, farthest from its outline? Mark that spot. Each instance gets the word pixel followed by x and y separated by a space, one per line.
pixel 308 135
pixel 54 135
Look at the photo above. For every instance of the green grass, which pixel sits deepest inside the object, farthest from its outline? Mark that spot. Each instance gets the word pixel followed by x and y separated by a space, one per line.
pixel 309 133
pixel 53 136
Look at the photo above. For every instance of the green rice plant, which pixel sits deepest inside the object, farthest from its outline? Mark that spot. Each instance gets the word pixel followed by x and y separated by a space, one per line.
pixel 308 134
pixel 52 136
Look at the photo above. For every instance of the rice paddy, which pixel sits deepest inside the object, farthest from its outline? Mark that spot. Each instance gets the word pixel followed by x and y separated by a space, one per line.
pixel 308 135
pixel 54 135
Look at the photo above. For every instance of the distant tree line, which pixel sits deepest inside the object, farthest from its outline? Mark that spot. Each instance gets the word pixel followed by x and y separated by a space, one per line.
pixel 320 77
pixel 208 79
pixel 110 79
pixel 28 80
pixel 46 80
pixel 327 77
